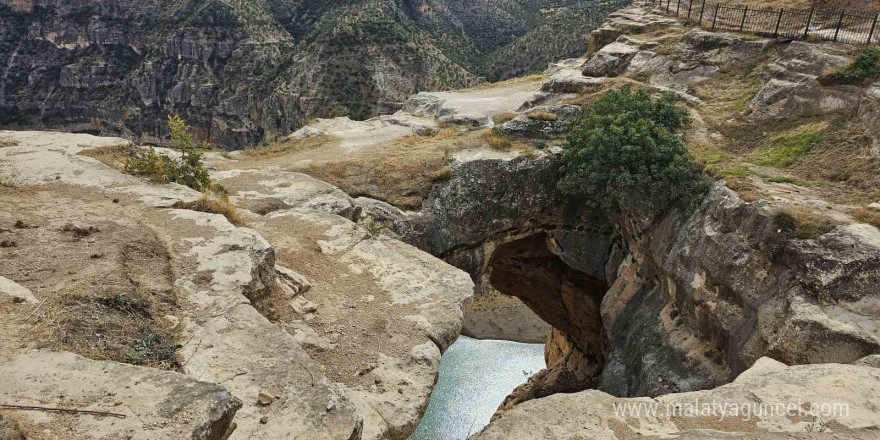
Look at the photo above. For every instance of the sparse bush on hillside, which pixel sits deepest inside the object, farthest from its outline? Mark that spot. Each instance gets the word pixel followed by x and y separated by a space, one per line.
pixel 625 151
pixel 188 170
pixel 864 67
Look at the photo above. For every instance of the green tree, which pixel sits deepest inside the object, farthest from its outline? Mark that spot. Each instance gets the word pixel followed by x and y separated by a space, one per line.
pixel 625 152
pixel 188 170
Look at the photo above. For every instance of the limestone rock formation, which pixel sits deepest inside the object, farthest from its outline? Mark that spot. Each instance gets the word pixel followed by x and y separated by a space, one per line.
pixel 768 382
pixel 297 381
pixel 793 89
pixel 542 122
pixel 151 403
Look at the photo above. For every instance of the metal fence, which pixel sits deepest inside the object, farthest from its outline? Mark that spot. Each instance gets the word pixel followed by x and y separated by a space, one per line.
pixel 824 24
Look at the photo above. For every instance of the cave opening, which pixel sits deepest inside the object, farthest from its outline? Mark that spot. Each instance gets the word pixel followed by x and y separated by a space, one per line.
pixel 567 298
pixel 481 378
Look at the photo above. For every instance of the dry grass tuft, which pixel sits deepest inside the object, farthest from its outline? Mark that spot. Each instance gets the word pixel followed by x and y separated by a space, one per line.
pixel 11 428
pixel 8 180
pixel 867 215
pixel 804 223
pixel 543 116
pixel 501 118
pixel 110 325
pixel 289 146
pixel 7 143
pixel 114 156
pixel 497 141
pixel 215 200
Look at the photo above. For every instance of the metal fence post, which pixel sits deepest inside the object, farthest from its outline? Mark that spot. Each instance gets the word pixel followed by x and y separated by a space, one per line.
pixel 690 6
pixel 809 22
pixel 873 28
pixel 839 23
pixel 742 24
pixel 778 22
pixel 715 17
pixel 702 10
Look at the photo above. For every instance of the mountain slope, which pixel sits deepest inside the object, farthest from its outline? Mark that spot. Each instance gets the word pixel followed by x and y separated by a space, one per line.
pixel 244 71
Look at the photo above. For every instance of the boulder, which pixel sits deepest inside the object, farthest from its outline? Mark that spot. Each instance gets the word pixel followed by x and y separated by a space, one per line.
pixel 267 192
pixel 719 48
pixel 633 19
pixel 869 361
pixel 792 87
pixel 611 60
pixel 385 214
pixel 544 122
pixel 570 81
pixel 297 282
pixel 16 291
pixel 151 403
pixel 307 132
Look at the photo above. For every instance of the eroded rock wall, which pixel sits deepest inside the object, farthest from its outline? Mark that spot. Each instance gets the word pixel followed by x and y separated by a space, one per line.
pixel 694 297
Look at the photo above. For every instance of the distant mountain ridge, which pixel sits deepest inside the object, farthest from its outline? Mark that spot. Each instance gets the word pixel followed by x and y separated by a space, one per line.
pixel 244 71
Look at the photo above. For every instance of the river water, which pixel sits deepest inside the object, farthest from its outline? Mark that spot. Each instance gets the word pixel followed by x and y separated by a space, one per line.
pixel 475 377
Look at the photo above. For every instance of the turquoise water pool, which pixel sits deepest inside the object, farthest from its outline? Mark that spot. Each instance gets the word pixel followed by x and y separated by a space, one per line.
pixel 475 377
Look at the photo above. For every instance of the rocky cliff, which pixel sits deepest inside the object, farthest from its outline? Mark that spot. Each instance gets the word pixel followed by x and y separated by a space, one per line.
pixel 247 72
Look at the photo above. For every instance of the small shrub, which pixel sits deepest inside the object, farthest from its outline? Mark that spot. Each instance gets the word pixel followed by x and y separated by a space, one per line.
pixel 625 151
pixel 543 116
pixel 373 227
pixel 339 111
pixel 864 67
pixel 867 215
pixel 153 349
pixel 188 170
pixel 8 143
pixel 119 301
pixel 148 163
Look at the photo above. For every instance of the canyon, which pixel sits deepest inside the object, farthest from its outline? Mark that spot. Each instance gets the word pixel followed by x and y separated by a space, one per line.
pixel 365 247
pixel 243 73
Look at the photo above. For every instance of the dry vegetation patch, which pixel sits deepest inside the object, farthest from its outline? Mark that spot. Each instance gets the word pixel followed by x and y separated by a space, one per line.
pixel 104 282
pixel 291 145
pixel 114 156
pixel 826 152
pixel 214 200
pixel 501 118
pixel 543 116
pixel 867 215
pixel 7 143
pixel 510 82
pixel 804 223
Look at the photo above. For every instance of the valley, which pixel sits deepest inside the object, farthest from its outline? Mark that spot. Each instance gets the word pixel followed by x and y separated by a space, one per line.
pixel 365 276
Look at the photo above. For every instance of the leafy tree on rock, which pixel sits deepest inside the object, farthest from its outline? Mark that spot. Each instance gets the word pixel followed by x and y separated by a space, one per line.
pixel 624 152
